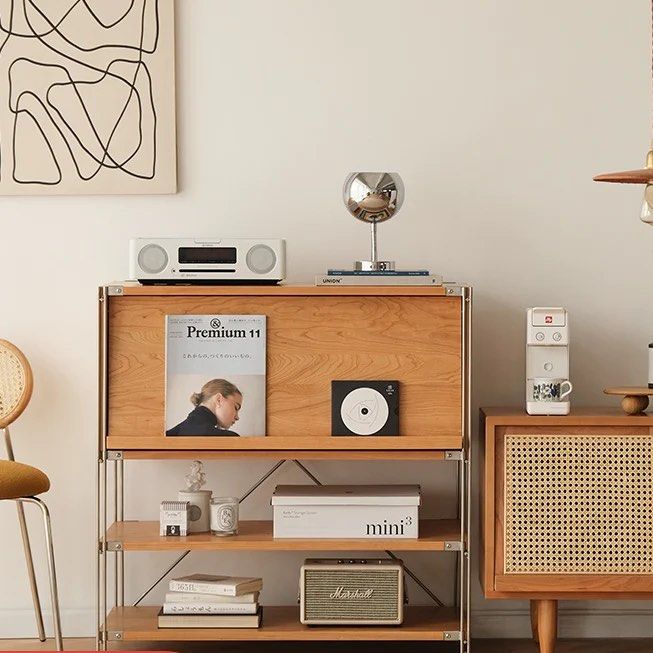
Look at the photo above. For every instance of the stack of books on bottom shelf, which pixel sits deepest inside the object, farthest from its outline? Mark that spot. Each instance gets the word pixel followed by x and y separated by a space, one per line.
pixel 206 601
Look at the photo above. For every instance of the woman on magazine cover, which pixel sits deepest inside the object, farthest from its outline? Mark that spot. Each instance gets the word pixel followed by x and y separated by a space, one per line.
pixel 216 410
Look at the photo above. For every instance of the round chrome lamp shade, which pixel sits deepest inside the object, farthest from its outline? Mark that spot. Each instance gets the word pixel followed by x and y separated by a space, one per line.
pixel 373 197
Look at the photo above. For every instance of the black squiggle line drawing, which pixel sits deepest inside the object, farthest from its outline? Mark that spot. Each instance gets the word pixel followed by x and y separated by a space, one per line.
pixel 59 122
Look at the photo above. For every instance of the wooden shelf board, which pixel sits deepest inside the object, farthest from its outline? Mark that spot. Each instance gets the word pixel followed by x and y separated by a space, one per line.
pixel 282 624
pixel 286 443
pixel 136 289
pixel 257 536
pixel 281 454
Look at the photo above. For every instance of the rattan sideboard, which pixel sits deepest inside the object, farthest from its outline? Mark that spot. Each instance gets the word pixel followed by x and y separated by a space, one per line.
pixel 567 509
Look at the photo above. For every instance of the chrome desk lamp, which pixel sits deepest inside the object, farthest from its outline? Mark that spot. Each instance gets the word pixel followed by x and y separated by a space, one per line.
pixel 373 197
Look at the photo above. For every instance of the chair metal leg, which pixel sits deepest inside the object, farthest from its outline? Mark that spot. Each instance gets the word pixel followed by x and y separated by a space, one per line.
pixel 54 593
pixel 28 550
pixel 30 571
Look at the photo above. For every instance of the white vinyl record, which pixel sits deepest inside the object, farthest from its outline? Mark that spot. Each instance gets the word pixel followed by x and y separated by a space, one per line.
pixel 364 411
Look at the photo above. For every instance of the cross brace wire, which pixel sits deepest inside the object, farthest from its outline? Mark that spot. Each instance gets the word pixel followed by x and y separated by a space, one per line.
pixel 390 554
pixel 253 489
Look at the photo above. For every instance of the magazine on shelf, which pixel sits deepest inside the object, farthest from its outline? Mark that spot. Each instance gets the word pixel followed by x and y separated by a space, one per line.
pixel 215 375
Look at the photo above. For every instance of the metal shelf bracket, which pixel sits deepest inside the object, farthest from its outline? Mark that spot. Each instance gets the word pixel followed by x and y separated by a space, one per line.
pixel 452 636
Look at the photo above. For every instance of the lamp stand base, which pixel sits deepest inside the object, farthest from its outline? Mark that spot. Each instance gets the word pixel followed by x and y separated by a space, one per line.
pixel 374 266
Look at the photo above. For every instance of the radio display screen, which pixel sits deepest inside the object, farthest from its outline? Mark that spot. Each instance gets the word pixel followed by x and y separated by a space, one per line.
pixel 207 254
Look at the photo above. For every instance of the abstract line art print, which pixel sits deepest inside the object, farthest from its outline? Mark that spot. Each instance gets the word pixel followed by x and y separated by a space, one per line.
pixel 87 97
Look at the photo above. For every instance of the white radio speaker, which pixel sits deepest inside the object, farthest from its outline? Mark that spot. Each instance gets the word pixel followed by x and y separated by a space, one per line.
pixel 207 260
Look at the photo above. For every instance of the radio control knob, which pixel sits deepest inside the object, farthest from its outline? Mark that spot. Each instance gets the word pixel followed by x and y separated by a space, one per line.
pixel 261 259
pixel 153 259
pixel 557 336
pixel 539 336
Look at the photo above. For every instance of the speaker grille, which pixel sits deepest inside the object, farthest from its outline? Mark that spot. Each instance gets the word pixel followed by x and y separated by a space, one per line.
pixel 383 604
pixel 261 259
pixel 152 259
pixel 578 504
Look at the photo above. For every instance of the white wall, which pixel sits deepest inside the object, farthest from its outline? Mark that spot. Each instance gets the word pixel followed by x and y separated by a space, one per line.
pixel 497 114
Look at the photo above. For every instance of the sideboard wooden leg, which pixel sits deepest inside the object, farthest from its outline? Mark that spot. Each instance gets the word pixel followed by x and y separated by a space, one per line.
pixel 547 625
pixel 534 620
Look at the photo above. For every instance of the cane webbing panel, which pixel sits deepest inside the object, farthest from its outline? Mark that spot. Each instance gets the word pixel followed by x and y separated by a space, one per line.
pixel 578 504
pixel 13 379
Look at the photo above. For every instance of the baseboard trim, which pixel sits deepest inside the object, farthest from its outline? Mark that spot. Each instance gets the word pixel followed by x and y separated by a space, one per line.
pixel 572 623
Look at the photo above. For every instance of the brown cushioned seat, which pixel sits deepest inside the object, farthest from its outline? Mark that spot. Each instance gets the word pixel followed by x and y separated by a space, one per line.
pixel 19 480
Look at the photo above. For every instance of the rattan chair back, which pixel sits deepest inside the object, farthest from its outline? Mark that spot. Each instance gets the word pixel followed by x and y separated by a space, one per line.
pixel 15 383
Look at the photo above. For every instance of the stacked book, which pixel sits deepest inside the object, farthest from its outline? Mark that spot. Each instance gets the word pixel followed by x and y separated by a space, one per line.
pixel 207 601
pixel 378 278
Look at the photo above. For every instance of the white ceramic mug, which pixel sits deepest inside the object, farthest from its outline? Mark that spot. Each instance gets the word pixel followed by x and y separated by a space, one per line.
pixel 546 389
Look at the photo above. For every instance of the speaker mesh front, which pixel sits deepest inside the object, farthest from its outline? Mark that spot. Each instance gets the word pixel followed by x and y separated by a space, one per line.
pixel 382 604
pixel 578 504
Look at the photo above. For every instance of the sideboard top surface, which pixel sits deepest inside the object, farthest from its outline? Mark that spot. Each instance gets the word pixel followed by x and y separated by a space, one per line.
pixel 579 416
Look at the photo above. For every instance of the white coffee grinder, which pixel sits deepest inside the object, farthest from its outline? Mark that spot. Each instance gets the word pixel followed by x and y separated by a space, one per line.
pixel 547 361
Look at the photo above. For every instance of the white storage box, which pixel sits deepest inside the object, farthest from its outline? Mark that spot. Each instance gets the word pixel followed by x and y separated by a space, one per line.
pixel 346 511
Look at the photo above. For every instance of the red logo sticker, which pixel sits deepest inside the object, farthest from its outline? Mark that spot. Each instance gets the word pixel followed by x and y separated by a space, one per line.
pixel 548 319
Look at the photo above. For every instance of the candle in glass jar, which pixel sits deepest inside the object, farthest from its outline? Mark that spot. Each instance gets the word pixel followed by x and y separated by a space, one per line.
pixel 224 516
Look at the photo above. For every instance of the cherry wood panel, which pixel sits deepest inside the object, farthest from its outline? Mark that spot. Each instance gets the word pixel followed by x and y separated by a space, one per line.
pixel 282 624
pixel 257 536
pixel 312 339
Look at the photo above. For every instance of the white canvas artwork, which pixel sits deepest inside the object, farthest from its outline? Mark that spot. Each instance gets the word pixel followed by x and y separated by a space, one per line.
pixel 88 97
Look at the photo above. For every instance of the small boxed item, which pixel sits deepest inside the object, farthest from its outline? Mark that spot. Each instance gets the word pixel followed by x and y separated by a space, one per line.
pixel 346 511
pixel 173 518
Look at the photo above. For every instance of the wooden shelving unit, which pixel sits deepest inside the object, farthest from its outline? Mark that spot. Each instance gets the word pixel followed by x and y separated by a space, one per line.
pixel 418 335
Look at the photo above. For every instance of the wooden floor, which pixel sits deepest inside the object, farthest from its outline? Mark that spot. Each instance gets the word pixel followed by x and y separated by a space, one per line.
pixel 478 646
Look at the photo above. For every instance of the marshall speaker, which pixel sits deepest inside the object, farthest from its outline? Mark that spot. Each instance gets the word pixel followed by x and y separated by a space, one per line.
pixel 355 592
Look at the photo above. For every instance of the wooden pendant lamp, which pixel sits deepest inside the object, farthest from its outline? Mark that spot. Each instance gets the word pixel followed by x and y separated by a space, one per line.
pixel 641 176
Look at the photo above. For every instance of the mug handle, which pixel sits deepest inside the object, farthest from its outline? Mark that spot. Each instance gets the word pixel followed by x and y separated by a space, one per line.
pixel 568 392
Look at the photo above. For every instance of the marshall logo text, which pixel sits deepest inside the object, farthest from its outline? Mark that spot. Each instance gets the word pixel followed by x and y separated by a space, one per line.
pixel 342 593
